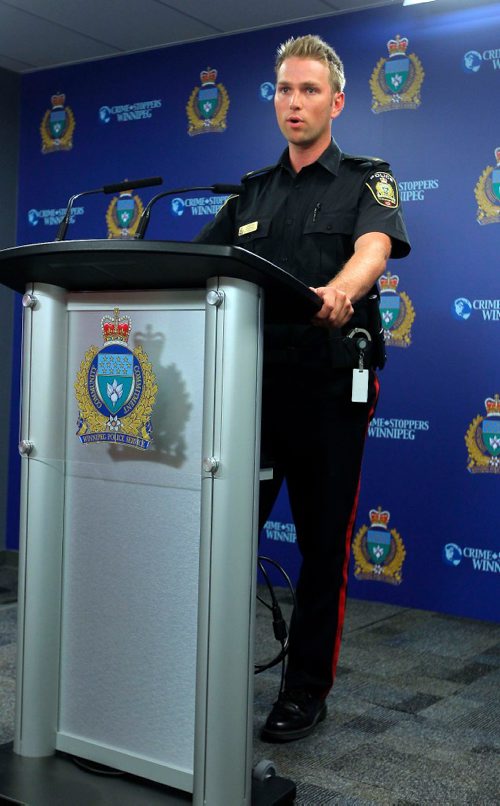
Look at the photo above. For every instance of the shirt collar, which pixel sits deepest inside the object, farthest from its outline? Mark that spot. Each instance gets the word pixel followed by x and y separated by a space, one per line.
pixel 329 159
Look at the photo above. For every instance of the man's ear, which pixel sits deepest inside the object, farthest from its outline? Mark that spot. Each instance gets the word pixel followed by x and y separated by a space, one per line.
pixel 337 104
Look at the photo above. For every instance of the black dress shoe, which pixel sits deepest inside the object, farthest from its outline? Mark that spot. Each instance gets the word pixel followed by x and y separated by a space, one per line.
pixel 294 715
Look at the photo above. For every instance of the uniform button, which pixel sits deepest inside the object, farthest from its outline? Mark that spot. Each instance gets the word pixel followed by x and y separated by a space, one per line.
pixel 329 226
pixel 284 260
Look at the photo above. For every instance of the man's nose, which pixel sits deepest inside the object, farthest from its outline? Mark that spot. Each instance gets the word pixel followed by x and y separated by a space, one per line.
pixel 294 100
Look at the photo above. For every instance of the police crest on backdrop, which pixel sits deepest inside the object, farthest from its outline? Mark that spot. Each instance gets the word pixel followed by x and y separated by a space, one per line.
pixel 396 82
pixel 378 553
pixel 207 106
pixel 57 126
pixel 115 389
pixel 487 192
pixel 396 312
pixel 483 439
pixel 123 215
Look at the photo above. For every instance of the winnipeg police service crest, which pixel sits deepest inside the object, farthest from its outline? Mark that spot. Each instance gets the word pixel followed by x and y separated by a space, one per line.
pixel 207 106
pixel 57 127
pixel 378 553
pixel 123 215
pixel 115 389
pixel 396 312
pixel 483 439
pixel 384 189
pixel 487 192
pixel 396 81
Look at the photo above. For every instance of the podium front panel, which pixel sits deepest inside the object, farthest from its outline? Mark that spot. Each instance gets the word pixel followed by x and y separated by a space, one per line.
pixel 132 531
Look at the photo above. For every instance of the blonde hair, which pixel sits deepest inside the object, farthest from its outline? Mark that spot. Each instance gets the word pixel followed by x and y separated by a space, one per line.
pixel 313 47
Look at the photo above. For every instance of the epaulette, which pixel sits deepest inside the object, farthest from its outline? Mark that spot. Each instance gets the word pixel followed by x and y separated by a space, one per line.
pixel 368 160
pixel 251 174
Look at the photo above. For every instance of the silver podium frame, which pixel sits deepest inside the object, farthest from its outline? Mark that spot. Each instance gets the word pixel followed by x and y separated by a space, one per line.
pixel 50 275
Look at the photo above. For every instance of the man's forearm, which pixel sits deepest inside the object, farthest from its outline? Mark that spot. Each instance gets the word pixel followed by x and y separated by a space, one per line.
pixel 365 266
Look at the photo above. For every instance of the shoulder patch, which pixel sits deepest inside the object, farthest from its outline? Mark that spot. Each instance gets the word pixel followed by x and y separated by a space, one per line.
pixel 258 172
pixel 383 188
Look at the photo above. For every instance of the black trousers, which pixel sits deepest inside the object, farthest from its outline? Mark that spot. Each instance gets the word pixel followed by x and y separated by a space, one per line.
pixel 313 435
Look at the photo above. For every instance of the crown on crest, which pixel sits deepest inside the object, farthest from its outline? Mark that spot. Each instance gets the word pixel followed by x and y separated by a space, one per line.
pixel 116 327
pixel 58 99
pixel 379 517
pixel 208 76
pixel 397 46
pixel 497 155
pixel 492 406
pixel 389 282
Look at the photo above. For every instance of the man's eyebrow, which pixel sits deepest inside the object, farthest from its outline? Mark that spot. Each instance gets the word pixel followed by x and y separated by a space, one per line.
pixel 308 83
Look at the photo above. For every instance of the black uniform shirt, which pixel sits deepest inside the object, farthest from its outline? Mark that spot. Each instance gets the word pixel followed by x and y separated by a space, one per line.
pixel 308 223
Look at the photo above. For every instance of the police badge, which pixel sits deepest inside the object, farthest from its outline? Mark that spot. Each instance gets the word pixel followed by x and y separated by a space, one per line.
pixel 123 215
pixel 396 312
pixel 487 192
pixel 483 439
pixel 395 82
pixel 57 126
pixel 378 553
pixel 115 389
pixel 207 106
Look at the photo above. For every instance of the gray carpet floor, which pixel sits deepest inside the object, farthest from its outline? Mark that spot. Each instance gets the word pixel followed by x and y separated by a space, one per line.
pixel 414 716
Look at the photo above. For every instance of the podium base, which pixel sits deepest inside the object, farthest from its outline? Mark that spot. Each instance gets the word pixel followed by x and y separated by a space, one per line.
pixel 57 779
pixel 274 791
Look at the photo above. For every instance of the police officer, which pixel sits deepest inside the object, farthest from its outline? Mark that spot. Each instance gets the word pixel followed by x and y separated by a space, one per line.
pixel 332 220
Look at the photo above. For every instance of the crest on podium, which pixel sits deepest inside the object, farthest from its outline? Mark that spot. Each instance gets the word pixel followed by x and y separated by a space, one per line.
pixel 115 389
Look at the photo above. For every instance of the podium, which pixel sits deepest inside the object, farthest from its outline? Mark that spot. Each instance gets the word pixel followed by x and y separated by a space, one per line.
pixel 140 432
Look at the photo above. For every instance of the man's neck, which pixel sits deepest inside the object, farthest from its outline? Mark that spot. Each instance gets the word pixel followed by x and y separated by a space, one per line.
pixel 300 157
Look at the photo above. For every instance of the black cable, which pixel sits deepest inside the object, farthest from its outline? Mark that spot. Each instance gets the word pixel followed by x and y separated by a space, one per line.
pixel 279 624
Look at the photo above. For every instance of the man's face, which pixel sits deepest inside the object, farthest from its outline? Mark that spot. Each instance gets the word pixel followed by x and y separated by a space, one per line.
pixel 305 102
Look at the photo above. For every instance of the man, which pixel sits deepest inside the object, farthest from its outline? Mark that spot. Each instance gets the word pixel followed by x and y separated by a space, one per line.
pixel 332 220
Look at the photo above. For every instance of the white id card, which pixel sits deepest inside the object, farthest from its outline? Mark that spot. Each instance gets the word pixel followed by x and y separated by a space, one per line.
pixel 360 385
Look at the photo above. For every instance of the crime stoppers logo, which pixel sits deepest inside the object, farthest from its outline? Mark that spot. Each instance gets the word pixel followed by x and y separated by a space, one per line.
pixel 378 553
pixel 208 105
pixel 396 312
pixel 396 82
pixel 123 215
pixel 124 113
pixel 280 531
pixel 115 389
pixel 463 308
pixel 483 439
pixel 50 217
pixel 197 206
pixel 473 60
pixel 485 560
pixel 57 126
pixel 487 193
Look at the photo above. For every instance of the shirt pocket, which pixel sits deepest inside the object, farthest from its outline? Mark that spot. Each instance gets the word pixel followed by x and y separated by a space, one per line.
pixel 328 244
pixel 331 223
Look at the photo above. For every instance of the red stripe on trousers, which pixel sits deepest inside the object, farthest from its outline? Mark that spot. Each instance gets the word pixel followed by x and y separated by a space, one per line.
pixel 350 527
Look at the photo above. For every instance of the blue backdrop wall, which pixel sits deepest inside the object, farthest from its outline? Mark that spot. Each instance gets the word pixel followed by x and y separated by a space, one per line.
pixel 422 91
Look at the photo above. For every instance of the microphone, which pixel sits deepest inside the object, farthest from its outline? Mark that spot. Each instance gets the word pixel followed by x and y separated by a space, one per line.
pixel 118 187
pixel 221 188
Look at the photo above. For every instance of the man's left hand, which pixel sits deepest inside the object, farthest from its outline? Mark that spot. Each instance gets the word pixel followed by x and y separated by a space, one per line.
pixel 336 309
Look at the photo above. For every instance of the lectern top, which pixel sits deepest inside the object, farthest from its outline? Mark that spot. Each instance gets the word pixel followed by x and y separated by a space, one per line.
pixel 119 265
